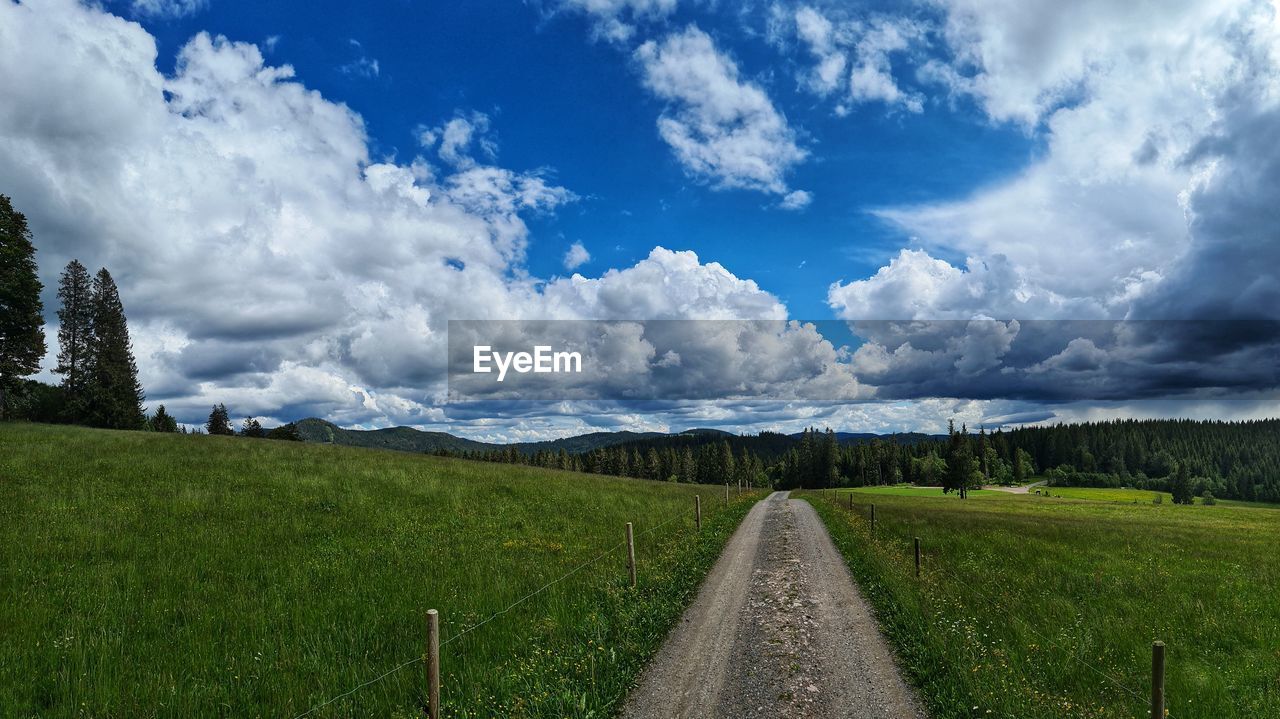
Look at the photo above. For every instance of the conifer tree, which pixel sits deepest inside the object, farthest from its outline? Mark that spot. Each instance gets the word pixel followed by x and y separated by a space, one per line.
pixel 219 421
pixel 1180 485
pixel 115 397
pixel 75 332
pixel 162 421
pixel 21 322
pixel 960 462
pixel 252 428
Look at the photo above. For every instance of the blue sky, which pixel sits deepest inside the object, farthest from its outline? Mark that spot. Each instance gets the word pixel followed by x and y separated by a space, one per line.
pixel 296 198
pixel 559 100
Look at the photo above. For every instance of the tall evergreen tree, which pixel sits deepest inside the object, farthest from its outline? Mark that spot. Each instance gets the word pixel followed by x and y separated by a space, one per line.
pixel 75 334
pixel 960 462
pixel 1180 485
pixel 162 421
pixel 219 421
pixel 21 323
pixel 252 428
pixel 115 397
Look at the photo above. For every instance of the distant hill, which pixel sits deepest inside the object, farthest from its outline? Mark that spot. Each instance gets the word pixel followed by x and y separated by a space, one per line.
pixel 408 439
pixel 897 437
pixel 586 442
pixel 405 439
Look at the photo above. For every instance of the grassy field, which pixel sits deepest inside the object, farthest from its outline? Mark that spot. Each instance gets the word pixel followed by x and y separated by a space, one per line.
pixel 1033 607
pixel 1137 496
pixel 145 575
pixel 908 491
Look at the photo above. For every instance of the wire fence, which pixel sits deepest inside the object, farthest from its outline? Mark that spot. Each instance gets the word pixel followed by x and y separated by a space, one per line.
pixel 419 659
pixel 1005 606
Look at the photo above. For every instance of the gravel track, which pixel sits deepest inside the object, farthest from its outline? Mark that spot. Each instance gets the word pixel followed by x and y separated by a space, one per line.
pixel 777 630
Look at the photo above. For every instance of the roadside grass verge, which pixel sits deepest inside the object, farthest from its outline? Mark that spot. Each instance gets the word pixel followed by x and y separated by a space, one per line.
pixel 145 575
pixel 1031 608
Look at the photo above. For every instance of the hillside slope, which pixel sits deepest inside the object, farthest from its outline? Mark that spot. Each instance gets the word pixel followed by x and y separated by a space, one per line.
pixel 156 575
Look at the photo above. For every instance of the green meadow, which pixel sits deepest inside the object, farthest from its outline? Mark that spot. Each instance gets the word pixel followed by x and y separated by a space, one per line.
pixel 1033 607
pixel 148 575
pixel 909 491
pixel 1136 496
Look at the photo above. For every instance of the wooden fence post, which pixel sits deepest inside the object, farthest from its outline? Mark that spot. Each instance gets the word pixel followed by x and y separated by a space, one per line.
pixel 726 492
pixel 917 557
pixel 631 553
pixel 697 510
pixel 873 520
pixel 1157 680
pixel 433 664
pixel 851 501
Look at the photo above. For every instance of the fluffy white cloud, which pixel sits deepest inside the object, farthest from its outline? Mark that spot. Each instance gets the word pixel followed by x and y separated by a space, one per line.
pixel 615 20
pixel 723 129
pixel 576 256
pixel 665 285
pixel 915 285
pixel 457 136
pixel 1144 109
pixel 265 259
pixel 853 56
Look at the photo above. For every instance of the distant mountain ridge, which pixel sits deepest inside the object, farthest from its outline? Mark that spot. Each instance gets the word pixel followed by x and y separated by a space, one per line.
pixel 408 439
pixel 898 437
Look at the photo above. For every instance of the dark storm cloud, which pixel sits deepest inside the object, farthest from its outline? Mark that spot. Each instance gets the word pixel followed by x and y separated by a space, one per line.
pixel 1070 360
pixel 1230 271
pixel 977 359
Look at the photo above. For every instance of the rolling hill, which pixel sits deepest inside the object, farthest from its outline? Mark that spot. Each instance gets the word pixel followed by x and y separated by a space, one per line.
pixel 408 439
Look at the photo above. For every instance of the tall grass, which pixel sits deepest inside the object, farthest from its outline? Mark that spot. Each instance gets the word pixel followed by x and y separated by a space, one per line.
pixel 144 575
pixel 1047 608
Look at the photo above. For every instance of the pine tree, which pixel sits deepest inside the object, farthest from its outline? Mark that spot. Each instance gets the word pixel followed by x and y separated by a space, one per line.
pixel 115 397
pixel 162 421
pixel 75 332
pixel 252 429
pixel 1180 485
pixel 960 462
pixel 21 322
pixel 219 421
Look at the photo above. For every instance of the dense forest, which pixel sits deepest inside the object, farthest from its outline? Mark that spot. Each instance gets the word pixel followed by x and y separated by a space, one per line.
pixel 1233 460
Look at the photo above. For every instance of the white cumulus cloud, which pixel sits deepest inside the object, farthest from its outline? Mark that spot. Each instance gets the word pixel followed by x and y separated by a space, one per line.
pixel 722 128
pixel 576 256
pixel 1144 196
pixel 853 56
pixel 265 258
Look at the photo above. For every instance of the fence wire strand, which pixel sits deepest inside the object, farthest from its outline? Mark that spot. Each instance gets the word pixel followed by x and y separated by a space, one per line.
pixel 493 616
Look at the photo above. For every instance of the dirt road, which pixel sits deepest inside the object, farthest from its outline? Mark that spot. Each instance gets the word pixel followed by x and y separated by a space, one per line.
pixel 778 630
pixel 1020 489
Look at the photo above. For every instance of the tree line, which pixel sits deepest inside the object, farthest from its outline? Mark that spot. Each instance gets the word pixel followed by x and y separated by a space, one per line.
pixel 1233 460
pixel 1210 459
pixel 705 463
pixel 99 386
